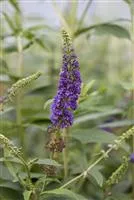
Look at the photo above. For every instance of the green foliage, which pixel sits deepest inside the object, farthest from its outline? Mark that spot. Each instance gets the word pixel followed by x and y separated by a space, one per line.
pixel 106 28
pixel 93 136
pixel 9 22
pixel 47 162
pixel 95 143
pixel 15 4
pixel 63 193
pixel 97 175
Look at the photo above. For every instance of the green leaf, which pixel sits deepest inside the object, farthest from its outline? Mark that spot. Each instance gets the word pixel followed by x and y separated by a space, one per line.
pixel 46 180
pixel 47 162
pixel 10 22
pixel 116 124
pixel 23 175
pixel 41 43
pixel 11 169
pixel 9 194
pixel 65 192
pixel 9 184
pixel 98 115
pixel 55 197
pixel 15 4
pixel 97 175
pixel 5 175
pixel 27 194
pixel 28 45
pixel 85 11
pixel 28 34
pixel 93 136
pixel 106 28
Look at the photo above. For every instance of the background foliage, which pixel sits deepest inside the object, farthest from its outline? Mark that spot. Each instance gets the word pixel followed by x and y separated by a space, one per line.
pixel 30 44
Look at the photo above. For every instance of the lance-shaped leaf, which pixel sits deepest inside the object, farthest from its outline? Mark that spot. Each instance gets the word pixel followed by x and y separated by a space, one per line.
pixel 105 28
pixel 9 22
pixel 63 193
pixel 15 4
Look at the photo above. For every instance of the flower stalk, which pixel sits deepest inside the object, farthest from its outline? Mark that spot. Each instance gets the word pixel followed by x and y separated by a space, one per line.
pixel 65 152
pixel 19 95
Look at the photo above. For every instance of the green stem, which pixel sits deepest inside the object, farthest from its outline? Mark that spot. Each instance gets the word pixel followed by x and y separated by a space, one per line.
pixel 132 38
pixel 19 95
pixel 26 167
pixel 84 174
pixel 65 152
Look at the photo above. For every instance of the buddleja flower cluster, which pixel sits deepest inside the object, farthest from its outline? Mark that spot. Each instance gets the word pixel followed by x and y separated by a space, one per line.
pixel 69 88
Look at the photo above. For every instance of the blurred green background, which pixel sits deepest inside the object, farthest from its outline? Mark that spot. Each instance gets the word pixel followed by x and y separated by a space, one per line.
pixel 31 41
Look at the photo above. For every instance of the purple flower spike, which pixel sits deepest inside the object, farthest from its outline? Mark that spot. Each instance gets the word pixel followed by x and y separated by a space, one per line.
pixel 132 158
pixel 69 88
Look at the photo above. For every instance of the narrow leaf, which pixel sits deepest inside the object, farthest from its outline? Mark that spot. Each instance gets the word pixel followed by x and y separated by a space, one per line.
pixel 65 192
pixel 10 22
pixel 41 43
pixel 93 136
pixel 47 162
pixel 106 28
pixel 28 45
pixel 15 4
pixel 97 175
pixel 121 123
pixel 98 115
